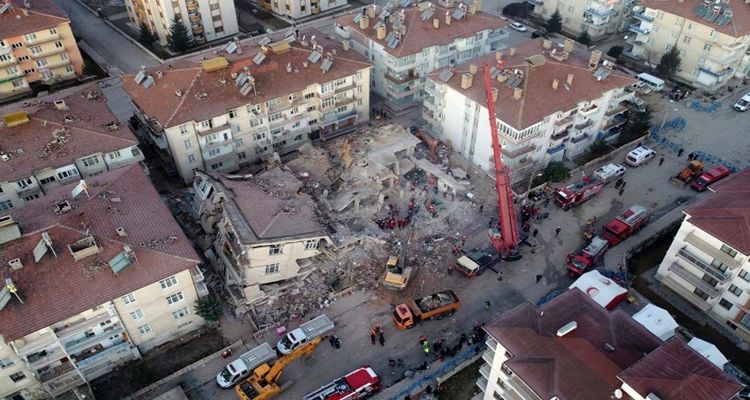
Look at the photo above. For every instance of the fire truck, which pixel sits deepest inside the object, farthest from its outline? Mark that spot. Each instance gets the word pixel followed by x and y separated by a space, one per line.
pixel 356 385
pixel 626 224
pixel 578 192
pixel 585 258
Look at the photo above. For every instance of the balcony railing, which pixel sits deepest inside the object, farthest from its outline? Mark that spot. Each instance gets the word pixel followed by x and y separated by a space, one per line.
pixel 718 74
pixel 10 61
pixel 707 248
pixel 49 52
pixel 44 39
pixel 696 262
pixel 482 383
pixel 485 371
pixel 63 383
pixel 686 294
pixel 78 344
pixel 519 152
pixel 644 17
pixel 565 121
pixel 398 79
pixel 585 111
pixel 639 30
pixel 586 124
pixel 56 372
pixel 488 356
pixel 683 273
pixel 601 13
pixel 29 345
pixel 81 325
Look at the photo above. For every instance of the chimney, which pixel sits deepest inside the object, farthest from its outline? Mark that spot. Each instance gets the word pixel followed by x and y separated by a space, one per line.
pixel 473 69
pixel 495 93
pixel 436 23
pixel 472 9
pixel 547 44
pixel 380 32
pixel 447 17
pixel 371 12
pixel 60 105
pixel 121 232
pixel 15 263
pixel 178 93
pixel 568 45
pixel 364 22
pixel 555 83
pixel 567 328
pixel 596 56
pixel 569 79
pixel 498 56
pixel 466 80
pixel 517 93
pixel 346 45
pixel 512 52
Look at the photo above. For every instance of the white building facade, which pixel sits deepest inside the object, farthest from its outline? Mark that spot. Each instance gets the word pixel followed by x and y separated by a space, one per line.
pixel 205 20
pixel 298 9
pixel 599 18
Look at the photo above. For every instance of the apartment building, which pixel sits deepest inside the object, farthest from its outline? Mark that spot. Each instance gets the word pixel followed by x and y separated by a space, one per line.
pixel 712 38
pixel 91 279
pixel 296 9
pixel 707 263
pixel 599 18
pixel 54 140
pixel 205 20
pixel 264 230
pixel 36 46
pixel 257 98
pixel 572 348
pixel 550 102
pixel 407 43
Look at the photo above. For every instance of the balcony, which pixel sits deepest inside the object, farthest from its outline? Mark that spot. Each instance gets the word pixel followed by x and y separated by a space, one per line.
pixel 431 117
pixel 518 152
pixel 10 77
pixel 201 288
pixel 586 111
pixel 81 343
pixel 56 372
pixel 400 78
pixel 565 121
pixel 617 109
pixel 519 387
pixel 579 139
pixel 707 248
pixel 686 294
pixel 399 93
pixel 709 269
pixel 482 383
pixel 601 13
pixel 556 149
pixel 488 356
pixel 48 52
pixel 435 90
pixel 44 39
pixel 485 371
pixel 56 64
pixel 63 383
pixel 491 343
pixel 34 343
pixel 644 17
pixel 108 359
pixel 81 325
pixel 11 61
pixel 584 125
pixel 683 273
pixel 45 357
pixel 718 74
pixel 596 23
pixel 638 29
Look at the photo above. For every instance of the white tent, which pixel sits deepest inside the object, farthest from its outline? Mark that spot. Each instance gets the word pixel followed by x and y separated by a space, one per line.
pixel 657 320
pixel 600 288
pixel 709 351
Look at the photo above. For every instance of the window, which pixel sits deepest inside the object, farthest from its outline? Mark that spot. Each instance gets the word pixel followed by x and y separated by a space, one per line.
pixel 341 109
pixel 255 109
pixel 18 376
pixel 718 265
pixel 259 136
pixel 258 150
pixel 5 363
pixel 90 161
pixel 168 282
pixel 144 329
pixel 207 124
pixel 67 174
pixel 275 117
pixel 233 114
pixel 732 252
pixel 29 36
pixel 735 290
pixel 275 249
pixel 53 31
pixel 311 244
pixel 727 305
pixel 181 313
pixel 35 49
pixel 29 71
pixel 58 44
pixel 47 180
pixel 183 129
pixel 137 314
pixel 114 154
pixel 241 155
pixel 175 298
pixel 298 138
pixel 31 197
pixel 687 39
pixel 710 279
pixel 703 295
pixel 16 45
pixel 310 108
pixel 272 268
pixel 213 152
pixel 327 102
pixel 326 87
pixel 69 69
pixel 11 70
pixel 707 47
pixel 128 298
pixel 217 165
pixel 743 274
pixel 213 6
pixel 41 63
pixel 309 95
pixel 6 205
pixel 188 144
pixel 238 143
pixel 191 158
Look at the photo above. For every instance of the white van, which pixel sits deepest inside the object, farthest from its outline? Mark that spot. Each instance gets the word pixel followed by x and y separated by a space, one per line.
pixel 639 156
pixel 651 81
pixel 743 103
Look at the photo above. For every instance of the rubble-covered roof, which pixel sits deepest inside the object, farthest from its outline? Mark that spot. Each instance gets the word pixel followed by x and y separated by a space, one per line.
pixel 675 371
pixel 205 95
pixel 738 25
pixel 58 287
pixel 55 136
pixel 577 365
pixel 19 19
pixel 538 99
pixel 725 214
pixel 420 32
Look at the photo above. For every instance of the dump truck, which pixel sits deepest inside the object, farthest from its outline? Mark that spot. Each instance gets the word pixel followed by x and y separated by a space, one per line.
pixel 308 331
pixel 609 172
pixel 578 192
pixel 626 224
pixel 712 175
pixel 435 306
pixel 586 257
pixel 692 171
pixel 356 385
pixel 476 261
pixel 240 368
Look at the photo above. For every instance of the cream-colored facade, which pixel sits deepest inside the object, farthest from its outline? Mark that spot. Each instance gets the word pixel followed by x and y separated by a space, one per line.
pixel 597 17
pixel 205 20
pixel 296 9
pixel 709 57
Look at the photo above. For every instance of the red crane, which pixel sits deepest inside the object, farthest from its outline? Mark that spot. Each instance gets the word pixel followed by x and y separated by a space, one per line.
pixel 505 236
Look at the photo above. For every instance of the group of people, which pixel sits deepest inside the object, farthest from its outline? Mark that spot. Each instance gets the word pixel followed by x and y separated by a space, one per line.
pixel 394 220
pixel 377 334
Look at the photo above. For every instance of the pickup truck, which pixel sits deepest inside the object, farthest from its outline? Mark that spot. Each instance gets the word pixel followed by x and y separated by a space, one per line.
pixel 242 367
pixel 438 306
pixel 476 261
pixel 308 331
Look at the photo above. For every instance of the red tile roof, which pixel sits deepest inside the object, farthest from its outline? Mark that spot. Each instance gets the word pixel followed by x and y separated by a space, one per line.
pixel 59 287
pixel 82 127
pixel 41 14
pixel 575 366
pixel 725 214
pixel 539 99
pixel 675 371
pixel 271 79
pixel 420 33
pixel 737 27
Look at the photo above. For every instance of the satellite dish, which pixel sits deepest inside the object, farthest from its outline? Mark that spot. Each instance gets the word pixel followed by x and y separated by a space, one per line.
pixel 618 393
pixel 637 9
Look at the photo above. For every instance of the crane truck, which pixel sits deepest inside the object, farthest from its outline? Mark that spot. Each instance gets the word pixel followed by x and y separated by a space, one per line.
pixel 585 258
pixel 306 332
pixel 240 368
pixel 356 385
pixel 577 193
pixel 626 224
pixel 438 306
pixel 264 382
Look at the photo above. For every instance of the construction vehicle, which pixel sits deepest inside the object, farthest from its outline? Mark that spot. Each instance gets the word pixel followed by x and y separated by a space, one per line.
pixel 438 306
pixel 609 172
pixel 430 141
pixel 626 224
pixel 712 175
pixel 577 193
pixel 586 257
pixel 356 385
pixel 240 368
pixel 476 261
pixel 263 383
pixel 505 237
pixel 397 275
pixel 693 170
pixel 306 332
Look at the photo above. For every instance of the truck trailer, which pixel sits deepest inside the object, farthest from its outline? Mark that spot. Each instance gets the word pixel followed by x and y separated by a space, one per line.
pixel 242 367
pixel 308 331
pixel 626 224
pixel 438 306
pixel 356 385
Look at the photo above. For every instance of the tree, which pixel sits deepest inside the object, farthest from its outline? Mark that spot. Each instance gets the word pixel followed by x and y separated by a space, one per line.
pixel 554 23
pixel 669 63
pixel 516 10
pixel 584 39
pixel 615 51
pixel 556 172
pixel 208 309
pixel 638 124
pixel 178 39
pixel 147 37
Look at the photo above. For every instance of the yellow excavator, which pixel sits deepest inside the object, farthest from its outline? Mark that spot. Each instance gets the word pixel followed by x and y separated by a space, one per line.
pixel 263 383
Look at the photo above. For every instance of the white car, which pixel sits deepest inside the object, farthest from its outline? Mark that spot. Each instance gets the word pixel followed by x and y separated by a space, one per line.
pixel 518 26
pixel 743 104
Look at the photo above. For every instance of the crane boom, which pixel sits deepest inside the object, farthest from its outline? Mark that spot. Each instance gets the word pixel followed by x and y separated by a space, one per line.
pixel 507 239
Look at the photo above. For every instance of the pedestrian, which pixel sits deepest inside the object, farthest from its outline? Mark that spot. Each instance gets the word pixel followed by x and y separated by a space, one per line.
pixel 546 202
pixel 539 278
pixel 372 337
pixel 391 362
pixel 463 240
pixel 422 339
pixel 557 231
pixel 534 232
pixel 461 340
pixel 381 339
pixel 332 341
pixel 428 389
pixel 621 191
pixel 487 305
pixel 481 208
pixel 623 185
pixel 680 151
pixel 661 160
pixel 691 157
pixel 337 342
pixel 450 268
pixel 426 347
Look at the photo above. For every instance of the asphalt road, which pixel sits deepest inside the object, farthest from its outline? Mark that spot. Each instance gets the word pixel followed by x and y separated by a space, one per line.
pixel 123 57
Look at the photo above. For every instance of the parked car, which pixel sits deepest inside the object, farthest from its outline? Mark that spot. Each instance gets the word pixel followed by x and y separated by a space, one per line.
pixel 639 156
pixel 537 34
pixel 518 27
pixel 743 104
